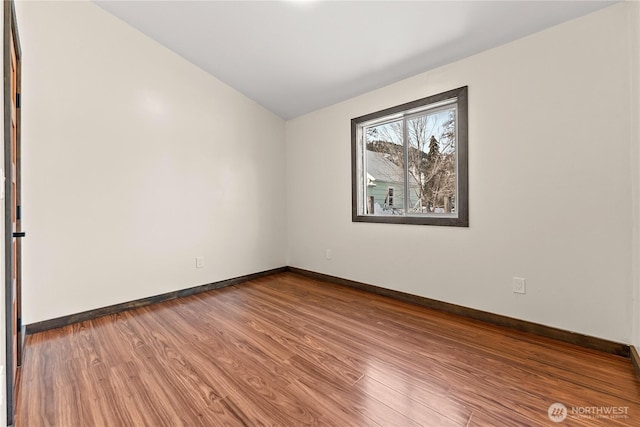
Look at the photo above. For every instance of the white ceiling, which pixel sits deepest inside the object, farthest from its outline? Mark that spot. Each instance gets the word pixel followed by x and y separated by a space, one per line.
pixel 296 57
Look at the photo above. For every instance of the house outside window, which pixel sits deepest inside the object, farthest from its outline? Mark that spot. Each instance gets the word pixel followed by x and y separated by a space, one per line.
pixel 409 162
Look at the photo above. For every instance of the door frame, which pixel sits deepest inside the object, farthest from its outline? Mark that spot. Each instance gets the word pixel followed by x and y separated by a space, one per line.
pixel 9 27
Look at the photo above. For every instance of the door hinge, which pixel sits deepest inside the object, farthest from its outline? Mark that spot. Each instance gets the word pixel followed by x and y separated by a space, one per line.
pixel 17 100
pixel 18 212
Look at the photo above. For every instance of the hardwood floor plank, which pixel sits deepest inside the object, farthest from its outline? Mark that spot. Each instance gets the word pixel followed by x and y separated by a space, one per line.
pixel 607 384
pixel 227 351
pixel 288 350
pixel 308 349
pixel 335 402
pixel 404 403
pixel 193 378
pixel 408 323
pixel 437 398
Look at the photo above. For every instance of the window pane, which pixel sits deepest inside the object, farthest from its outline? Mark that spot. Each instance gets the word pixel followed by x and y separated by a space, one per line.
pixel 432 162
pixel 384 169
pixel 410 162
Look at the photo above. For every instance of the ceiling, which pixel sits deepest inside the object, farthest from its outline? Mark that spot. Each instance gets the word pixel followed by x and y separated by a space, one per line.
pixel 294 57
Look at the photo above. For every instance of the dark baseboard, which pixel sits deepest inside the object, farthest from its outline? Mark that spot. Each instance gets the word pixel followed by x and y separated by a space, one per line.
pixel 117 308
pixel 635 359
pixel 495 319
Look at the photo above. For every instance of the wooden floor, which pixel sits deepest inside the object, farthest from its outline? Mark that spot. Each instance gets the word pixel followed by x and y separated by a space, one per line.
pixel 290 351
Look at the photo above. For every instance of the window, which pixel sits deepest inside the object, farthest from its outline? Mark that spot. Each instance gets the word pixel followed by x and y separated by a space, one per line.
pixel 390 197
pixel 409 162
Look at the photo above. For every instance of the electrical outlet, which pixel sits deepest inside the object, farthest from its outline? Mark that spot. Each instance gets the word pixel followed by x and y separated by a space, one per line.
pixel 519 285
pixel 327 254
pixel 199 262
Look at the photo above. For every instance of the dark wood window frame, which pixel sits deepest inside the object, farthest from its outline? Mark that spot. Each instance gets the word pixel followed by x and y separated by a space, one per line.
pixel 462 194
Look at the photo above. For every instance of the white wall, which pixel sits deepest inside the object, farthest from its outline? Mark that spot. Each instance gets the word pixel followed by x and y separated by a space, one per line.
pixel 136 162
pixel 634 34
pixel 550 189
